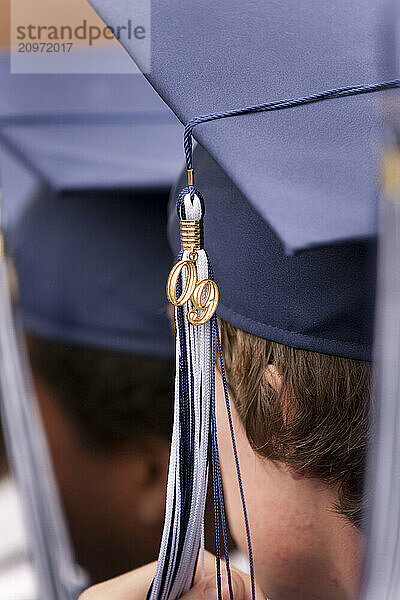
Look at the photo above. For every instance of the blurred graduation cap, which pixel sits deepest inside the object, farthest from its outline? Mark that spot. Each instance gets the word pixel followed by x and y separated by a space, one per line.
pixel 309 171
pixel 92 267
pixel 76 132
pixel 97 140
pixel 85 217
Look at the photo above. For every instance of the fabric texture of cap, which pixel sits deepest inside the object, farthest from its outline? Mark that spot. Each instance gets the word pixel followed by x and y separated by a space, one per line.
pixel 92 270
pixel 321 299
pixel 76 132
pixel 309 171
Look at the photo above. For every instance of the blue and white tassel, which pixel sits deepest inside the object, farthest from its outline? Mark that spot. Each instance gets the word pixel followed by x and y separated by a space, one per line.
pixel 188 472
pixel 194 449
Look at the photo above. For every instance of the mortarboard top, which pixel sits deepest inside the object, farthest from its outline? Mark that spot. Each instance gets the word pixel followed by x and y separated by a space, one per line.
pixel 88 131
pixel 309 171
pixel 77 156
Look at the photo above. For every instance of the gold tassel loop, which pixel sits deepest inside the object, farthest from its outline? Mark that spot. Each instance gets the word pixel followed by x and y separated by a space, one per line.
pixel 192 235
pixel 190 177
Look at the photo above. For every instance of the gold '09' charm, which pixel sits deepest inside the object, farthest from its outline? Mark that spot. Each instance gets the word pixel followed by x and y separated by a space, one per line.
pixel 203 295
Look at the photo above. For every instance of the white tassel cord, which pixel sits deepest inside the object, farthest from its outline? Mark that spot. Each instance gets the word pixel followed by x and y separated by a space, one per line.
pixel 188 471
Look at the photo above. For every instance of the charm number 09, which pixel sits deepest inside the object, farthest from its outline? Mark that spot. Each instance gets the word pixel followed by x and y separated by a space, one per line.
pixel 204 295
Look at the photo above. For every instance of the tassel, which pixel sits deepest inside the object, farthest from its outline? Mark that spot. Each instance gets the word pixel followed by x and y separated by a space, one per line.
pixel 194 449
pixel 195 363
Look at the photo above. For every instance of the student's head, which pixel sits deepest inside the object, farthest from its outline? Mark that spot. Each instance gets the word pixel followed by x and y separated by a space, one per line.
pixel 91 270
pixel 108 418
pixel 301 421
pixel 296 339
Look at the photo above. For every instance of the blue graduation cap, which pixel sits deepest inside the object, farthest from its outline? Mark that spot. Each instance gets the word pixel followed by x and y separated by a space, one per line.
pixel 92 268
pixel 87 165
pixel 287 181
pixel 310 171
pixel 76 132
pixel 320 299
